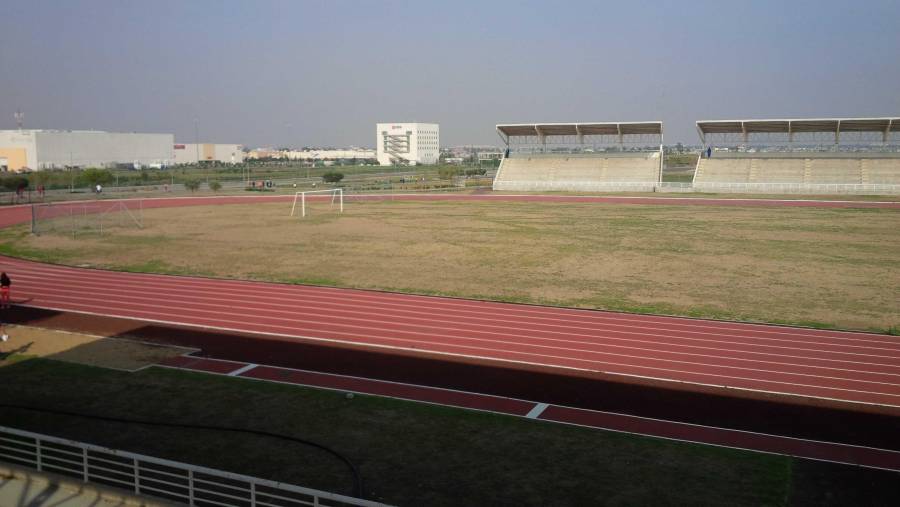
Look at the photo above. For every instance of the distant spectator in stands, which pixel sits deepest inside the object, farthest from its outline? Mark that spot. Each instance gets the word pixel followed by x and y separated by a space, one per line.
pixel 709 152
pixel 5 283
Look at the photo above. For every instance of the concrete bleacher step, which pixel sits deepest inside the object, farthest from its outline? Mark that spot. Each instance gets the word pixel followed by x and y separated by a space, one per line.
pixel 575 173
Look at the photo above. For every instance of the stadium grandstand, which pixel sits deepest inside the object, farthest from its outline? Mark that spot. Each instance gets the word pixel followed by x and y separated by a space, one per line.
pixel 604 156
pixel 822 156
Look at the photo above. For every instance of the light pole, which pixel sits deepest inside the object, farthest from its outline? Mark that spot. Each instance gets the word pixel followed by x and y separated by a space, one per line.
pixel 197 139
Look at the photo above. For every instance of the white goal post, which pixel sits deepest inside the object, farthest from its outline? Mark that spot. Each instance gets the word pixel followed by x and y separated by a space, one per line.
pixel 336 193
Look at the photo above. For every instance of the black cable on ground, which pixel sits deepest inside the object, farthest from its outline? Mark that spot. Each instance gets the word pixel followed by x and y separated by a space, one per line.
pixel 357 478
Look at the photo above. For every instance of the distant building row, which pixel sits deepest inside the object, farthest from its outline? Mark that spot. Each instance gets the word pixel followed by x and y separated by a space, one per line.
pixel 312 155
pixel 56 149
pixel 396 144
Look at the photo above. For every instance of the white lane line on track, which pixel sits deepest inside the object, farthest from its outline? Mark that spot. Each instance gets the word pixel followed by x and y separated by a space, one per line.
pixel 580 355
pixel 239 287
pixel 365 332
pixel 614 414
pixel 599 338
pixel 532 363
pixel 594 339
pixel 621 329
pixel 242 369
pixel 174 293
pixel 537 411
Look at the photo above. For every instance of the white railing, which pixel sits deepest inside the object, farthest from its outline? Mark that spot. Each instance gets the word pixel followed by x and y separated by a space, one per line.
pixel 168 480
pixel 675 186
pixel 798 188
pixel 583 186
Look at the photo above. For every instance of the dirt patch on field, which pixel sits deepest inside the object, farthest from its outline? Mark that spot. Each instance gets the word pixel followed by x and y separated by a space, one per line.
pixel 817 266
pixel 86 349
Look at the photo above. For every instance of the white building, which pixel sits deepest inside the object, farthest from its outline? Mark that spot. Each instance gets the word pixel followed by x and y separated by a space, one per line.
pixel 407 143
pixel 52 149
pixel 208 152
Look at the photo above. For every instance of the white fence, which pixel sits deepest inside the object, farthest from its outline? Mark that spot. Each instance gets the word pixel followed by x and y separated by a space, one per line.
pixel 168 480
pixel 685 187
pixel 574 186
pixel 797 188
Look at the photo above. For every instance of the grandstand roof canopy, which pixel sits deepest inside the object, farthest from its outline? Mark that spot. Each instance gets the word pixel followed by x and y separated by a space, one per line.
pixel 587 129
pixel 789 126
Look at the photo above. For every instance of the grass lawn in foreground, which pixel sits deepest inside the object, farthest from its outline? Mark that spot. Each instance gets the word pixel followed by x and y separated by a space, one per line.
pixel 412 453
pixel 811 266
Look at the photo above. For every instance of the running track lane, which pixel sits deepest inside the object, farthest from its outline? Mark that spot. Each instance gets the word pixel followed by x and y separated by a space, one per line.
pixel 760 442
pixel 833 365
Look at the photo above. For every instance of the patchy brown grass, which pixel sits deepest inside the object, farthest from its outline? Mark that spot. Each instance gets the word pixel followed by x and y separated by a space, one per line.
pixel 116 353
pixel 827 267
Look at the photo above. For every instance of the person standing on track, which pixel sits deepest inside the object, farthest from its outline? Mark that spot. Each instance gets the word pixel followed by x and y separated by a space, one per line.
pixel 5 283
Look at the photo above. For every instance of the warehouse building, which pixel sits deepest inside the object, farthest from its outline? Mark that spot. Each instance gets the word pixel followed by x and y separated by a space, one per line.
pixel 407 143
pixel 209 152
pixel 56 149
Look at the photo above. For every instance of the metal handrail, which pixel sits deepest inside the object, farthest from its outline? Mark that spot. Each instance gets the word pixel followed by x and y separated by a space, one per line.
pixel 241 489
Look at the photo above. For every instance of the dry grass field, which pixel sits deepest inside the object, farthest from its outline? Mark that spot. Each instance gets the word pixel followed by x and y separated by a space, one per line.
pixel 822 267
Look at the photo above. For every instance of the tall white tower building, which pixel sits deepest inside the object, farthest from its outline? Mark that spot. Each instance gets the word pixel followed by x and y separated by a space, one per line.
pixel 407 143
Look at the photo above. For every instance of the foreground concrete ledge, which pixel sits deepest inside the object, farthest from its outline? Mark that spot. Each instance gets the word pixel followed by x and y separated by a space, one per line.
pixel 110 494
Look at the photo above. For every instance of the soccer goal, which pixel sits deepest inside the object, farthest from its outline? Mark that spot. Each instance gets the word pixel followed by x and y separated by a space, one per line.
pixel 82 217
pixel 336 194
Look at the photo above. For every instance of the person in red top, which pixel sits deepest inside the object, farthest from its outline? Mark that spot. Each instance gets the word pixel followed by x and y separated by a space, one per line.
pixel 5 282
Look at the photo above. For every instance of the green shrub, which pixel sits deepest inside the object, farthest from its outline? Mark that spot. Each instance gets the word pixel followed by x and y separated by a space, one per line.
pixel 93 176
pixel 12 183
pixel 332 177
pixel 215 186
pixel 447 172
pixel 192 184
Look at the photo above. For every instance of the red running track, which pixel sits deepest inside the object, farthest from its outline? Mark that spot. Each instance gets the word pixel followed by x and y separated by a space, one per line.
pixel 833 365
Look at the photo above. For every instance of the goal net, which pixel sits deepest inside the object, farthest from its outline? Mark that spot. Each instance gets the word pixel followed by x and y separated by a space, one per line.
pixel 304 201
pixel 94 217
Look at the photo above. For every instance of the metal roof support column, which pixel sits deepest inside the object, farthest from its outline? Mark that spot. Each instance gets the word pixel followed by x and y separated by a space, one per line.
pixel 541 137
pixel 887 131
pixel 837 135
pixel 790 132
pixel 579 134
pixel 621 138
pixel 745 135
pixel 661 153
pixel 702 135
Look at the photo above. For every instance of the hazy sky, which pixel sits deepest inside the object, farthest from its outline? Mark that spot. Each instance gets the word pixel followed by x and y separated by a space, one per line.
pixel 323 73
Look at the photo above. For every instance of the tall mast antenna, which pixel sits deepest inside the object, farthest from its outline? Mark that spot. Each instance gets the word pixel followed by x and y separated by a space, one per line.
pixel 20 118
